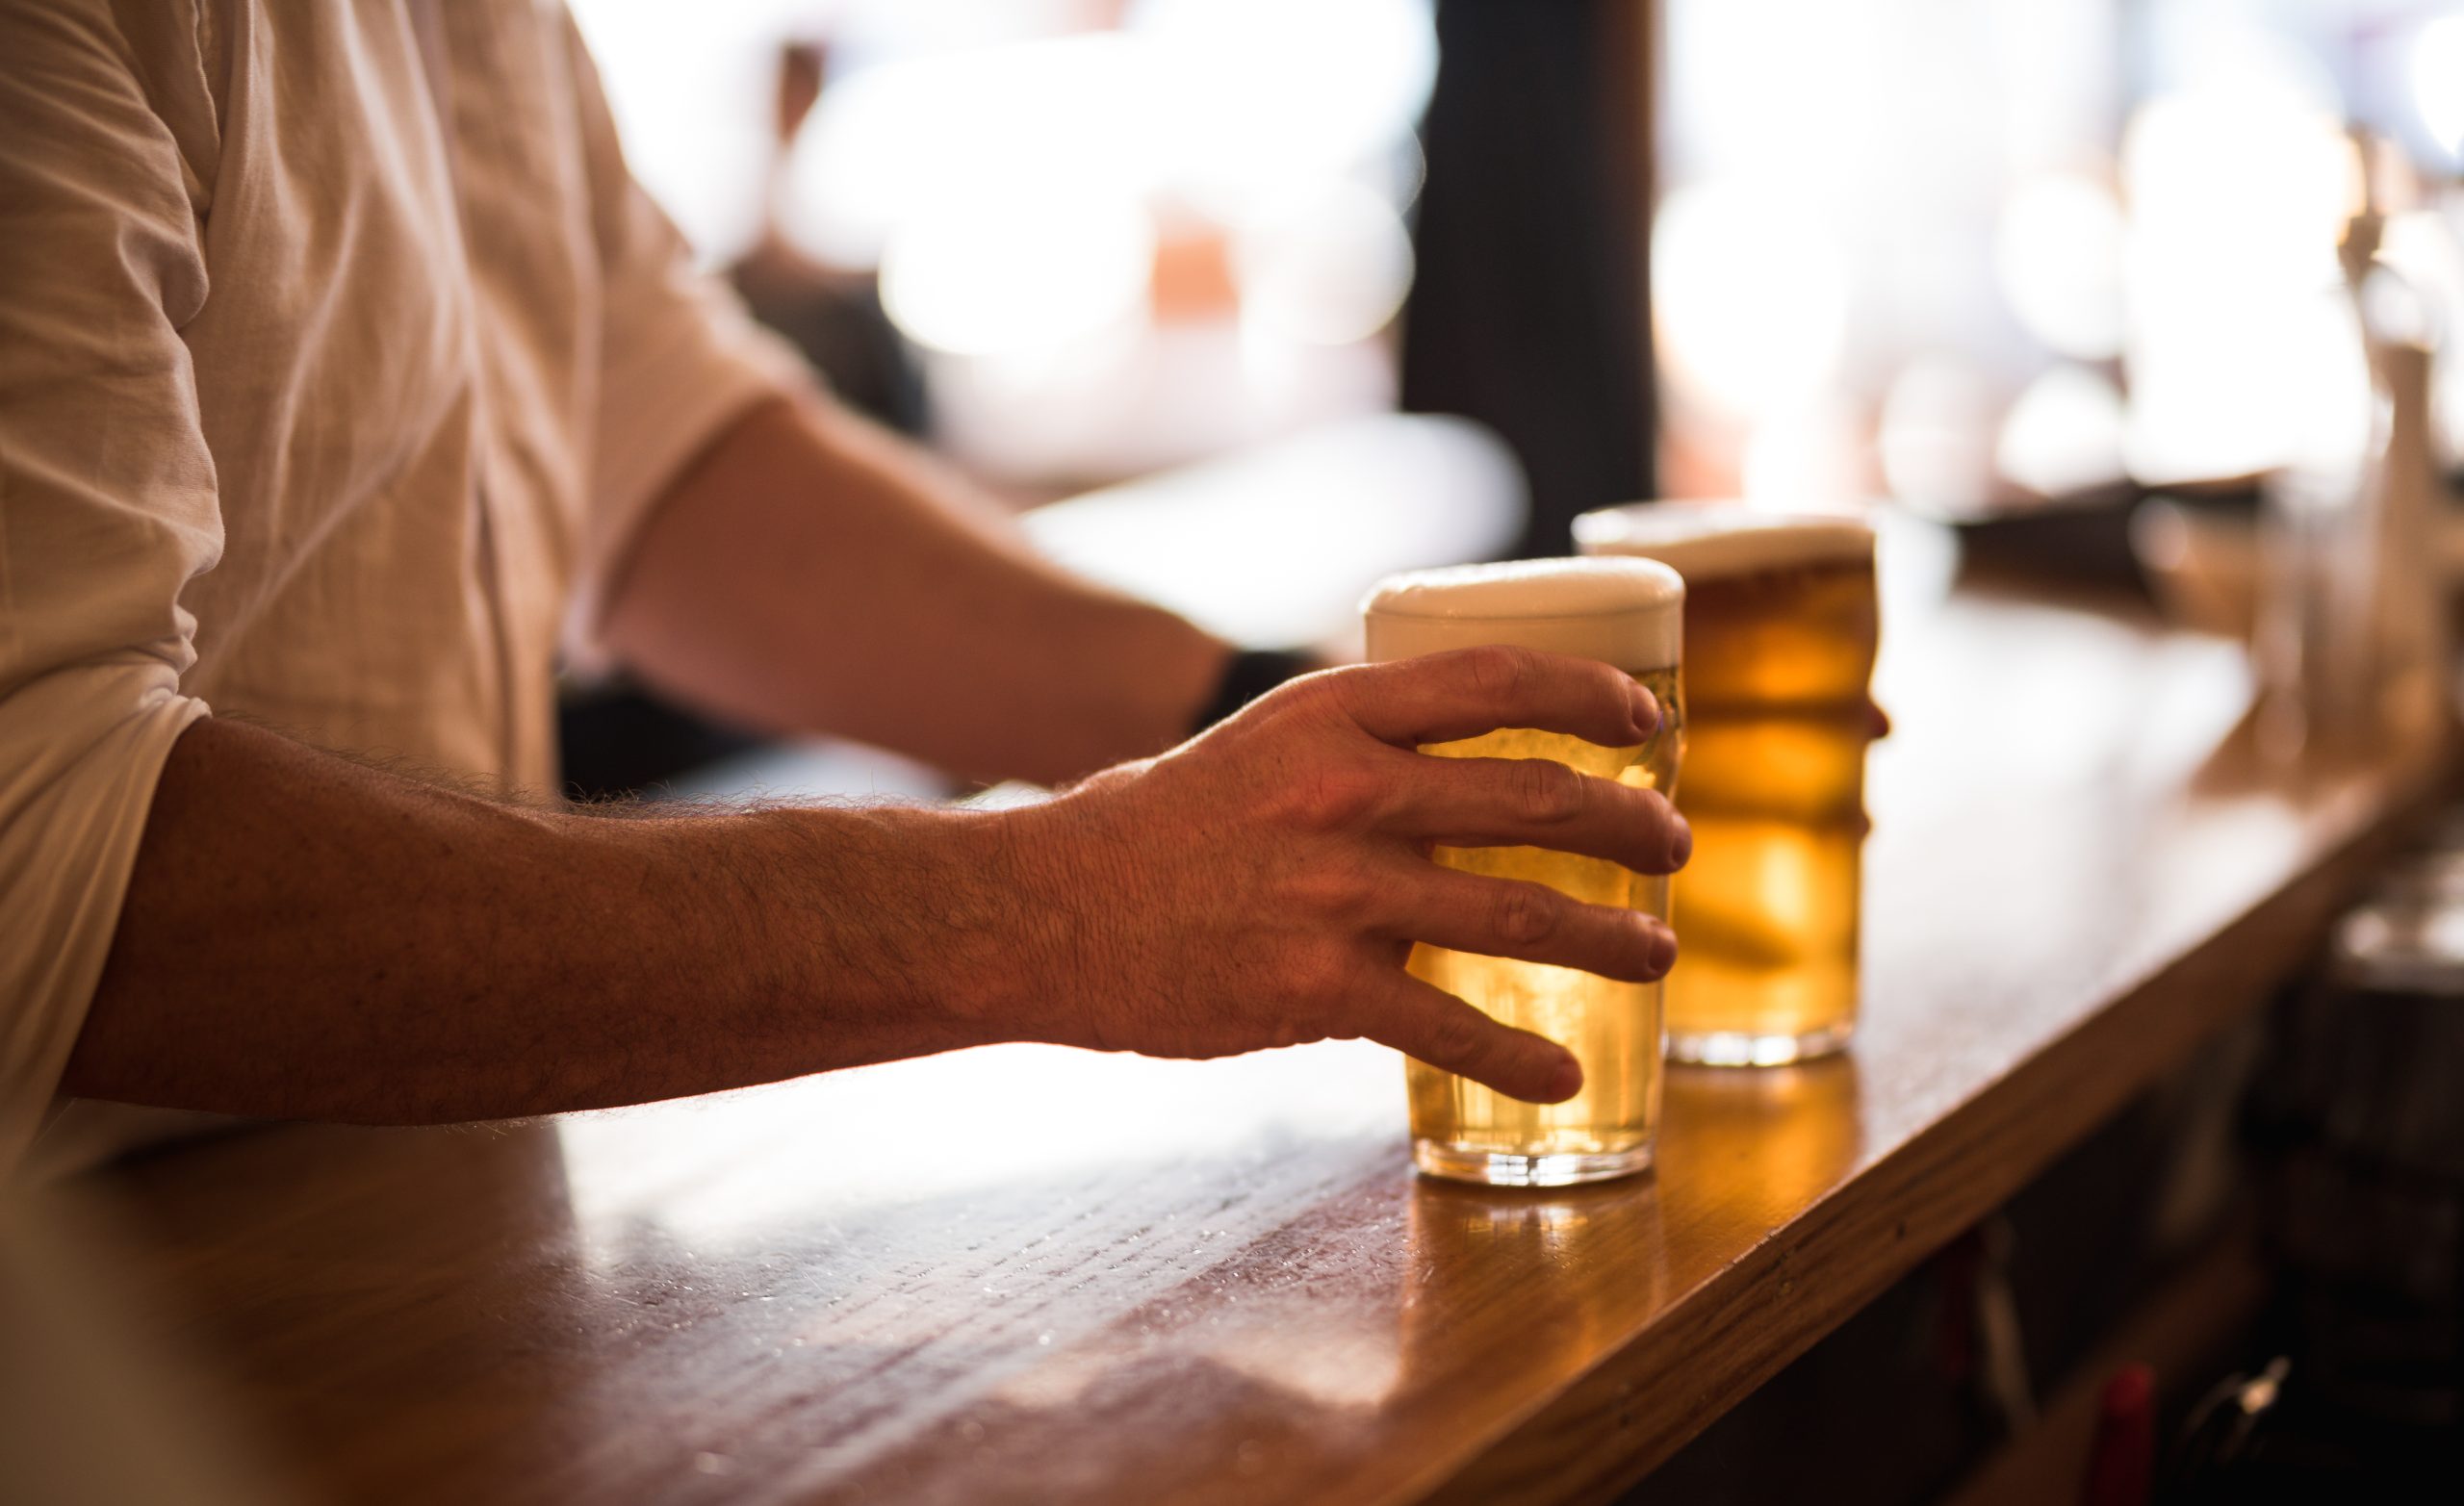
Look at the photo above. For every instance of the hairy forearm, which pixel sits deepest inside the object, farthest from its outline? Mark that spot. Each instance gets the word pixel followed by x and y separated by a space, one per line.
pixel 810 573
pixel 304 937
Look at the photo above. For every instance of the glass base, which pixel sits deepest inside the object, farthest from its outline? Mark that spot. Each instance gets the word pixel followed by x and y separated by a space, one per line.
pixel 1740 1049
pixel 1498 1169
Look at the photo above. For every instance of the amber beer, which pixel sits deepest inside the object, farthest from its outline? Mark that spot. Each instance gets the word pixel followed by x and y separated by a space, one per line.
pixel 1624 612
pixel 1779 627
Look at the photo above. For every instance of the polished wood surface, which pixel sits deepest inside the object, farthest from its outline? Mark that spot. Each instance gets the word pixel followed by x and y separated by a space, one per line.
pixel 1028 1274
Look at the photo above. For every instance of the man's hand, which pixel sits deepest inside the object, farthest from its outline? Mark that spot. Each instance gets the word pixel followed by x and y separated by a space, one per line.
pixel 1261 886
pixel 307 938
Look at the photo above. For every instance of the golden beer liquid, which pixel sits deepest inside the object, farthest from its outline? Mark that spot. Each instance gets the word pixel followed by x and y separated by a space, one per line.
pixel 1613 1028
pixel 1779 662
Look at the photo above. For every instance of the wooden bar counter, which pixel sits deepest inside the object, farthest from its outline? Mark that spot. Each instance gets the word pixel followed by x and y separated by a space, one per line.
pixel 1028 1275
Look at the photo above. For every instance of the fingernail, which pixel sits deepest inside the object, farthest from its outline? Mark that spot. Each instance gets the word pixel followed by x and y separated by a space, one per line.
pixel 1566 1081
pixel 1646 709
pixel 1663 948
pixel 1680 839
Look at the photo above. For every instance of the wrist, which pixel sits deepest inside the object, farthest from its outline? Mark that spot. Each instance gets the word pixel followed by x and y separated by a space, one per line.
pixel 940 918
pixel 1021 913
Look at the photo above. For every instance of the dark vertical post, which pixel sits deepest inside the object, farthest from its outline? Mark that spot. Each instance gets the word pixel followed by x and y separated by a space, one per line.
pixel 1529 313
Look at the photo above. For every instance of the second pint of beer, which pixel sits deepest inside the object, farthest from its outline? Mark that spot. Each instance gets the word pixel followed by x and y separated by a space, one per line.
pixel 1780 631
pixel 1628 613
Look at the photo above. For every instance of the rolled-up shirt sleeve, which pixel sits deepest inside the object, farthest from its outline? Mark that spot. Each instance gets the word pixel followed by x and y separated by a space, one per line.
pixel 108 506
pixel 679 358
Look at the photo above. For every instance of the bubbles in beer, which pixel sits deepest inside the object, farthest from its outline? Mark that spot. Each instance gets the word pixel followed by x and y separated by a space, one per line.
pixel 1613 1027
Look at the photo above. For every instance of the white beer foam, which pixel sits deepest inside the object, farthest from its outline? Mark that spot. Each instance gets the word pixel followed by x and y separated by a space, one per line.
pixel 1705 541
pixel 1626 612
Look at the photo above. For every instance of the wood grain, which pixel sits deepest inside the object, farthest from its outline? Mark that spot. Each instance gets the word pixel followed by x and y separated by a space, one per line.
pixel 1028 1274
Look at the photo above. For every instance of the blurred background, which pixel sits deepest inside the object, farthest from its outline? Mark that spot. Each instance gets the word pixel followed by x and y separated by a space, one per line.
pixel 2017 266
pixel 1244 303
pixel 1071 241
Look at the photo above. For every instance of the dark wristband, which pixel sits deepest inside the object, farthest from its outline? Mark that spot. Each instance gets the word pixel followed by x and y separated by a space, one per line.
pixel 1246 675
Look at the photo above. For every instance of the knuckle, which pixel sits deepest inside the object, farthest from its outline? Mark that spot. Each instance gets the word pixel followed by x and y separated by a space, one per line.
pixel 1278 716
pixel 1498 671
pixel 1289 1027
pixel 1454 1036
pixel 1527 914
pixel 1335 796
pixel 1325 691
pixel 1338 893
pixel 1320 978
pixel 1296 709
pixel 1547 792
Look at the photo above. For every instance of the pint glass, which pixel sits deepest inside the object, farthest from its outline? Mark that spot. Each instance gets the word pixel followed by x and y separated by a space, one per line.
pixel 1624 612
pixel 1780 633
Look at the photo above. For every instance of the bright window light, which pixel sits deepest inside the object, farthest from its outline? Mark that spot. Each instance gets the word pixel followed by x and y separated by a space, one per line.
pixel 2064 435
pixel 2058 255
pixel 1749 295
pixel 2438 82
pixel 1327 267
pixel 1014 271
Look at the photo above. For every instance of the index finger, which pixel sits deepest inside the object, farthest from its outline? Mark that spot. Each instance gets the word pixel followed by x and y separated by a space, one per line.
pixel 1466 692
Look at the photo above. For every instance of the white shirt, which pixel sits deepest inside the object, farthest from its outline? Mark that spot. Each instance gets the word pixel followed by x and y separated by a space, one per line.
pixel 339 356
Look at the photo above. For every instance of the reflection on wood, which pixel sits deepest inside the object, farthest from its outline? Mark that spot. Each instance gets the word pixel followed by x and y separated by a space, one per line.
pixel 1027 1274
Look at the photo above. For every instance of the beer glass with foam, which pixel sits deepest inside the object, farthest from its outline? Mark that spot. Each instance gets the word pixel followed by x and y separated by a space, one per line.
pixel 1780 631
pixel 1624 612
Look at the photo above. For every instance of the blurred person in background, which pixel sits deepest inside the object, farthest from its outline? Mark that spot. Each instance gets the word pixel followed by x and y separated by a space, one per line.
pixel 345 372
pixel 833 318
pixel 614 737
